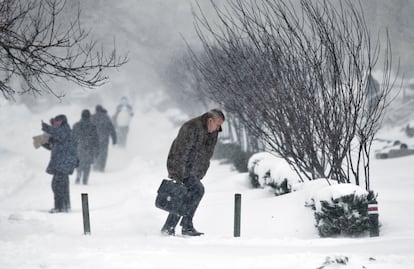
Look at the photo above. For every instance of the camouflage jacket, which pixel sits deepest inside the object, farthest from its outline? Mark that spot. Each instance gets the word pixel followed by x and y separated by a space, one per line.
pixel 192 149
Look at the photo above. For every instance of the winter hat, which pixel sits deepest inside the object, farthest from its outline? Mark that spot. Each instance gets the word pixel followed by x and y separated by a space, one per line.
pixel 86 114
pixel 99 108
pixel 62 118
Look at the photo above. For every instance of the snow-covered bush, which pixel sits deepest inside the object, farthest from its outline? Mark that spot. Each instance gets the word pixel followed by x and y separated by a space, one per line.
pixel 266 169
pixel 341 210
pixel 253 162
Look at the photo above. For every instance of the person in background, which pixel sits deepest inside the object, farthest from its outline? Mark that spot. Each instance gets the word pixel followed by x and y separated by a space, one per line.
pixel 105 130
pixel 86 138
pixel 122 119
pixel 188 161
pixel 63 160
pixel 373 92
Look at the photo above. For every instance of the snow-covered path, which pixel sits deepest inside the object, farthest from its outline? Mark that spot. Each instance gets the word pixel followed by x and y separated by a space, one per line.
pixel 277 232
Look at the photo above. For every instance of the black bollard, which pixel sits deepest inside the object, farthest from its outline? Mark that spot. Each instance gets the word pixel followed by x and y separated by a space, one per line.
pixel 373 218
pixel 237 214
pixel 85 211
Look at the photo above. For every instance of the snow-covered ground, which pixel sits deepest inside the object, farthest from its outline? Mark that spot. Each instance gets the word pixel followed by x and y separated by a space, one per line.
pixel 276 232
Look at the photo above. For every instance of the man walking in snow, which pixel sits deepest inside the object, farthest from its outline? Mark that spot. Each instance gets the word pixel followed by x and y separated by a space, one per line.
pixel 105 130
pixel 86 137
pixel 63 160
pixel 188 161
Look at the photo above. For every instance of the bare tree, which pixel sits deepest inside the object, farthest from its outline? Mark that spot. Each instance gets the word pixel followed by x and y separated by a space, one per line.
pixel 181 85
pixel 38 46
pixel 297 78
pixel 183 82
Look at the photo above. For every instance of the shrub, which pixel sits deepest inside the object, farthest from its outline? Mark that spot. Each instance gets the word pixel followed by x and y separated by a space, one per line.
pixel 345 215
pixel 266 169
pixel 281 187
pixel 257 179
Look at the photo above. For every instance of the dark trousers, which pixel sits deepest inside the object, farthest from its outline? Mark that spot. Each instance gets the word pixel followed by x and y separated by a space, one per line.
pixel 195 192
pixel 60 187
pixel 83 171
pixel 100 160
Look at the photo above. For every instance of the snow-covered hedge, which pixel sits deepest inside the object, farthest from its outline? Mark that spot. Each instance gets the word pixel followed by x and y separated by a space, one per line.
pixel 341 210
pixel 266 169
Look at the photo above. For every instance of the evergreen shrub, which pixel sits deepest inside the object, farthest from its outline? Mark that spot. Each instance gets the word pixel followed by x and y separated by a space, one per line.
pixel 344 216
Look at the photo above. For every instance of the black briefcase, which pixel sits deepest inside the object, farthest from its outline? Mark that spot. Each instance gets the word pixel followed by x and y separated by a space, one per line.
pixel 171 197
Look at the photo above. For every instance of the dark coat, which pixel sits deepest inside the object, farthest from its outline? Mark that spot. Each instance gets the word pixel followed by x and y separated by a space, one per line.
pixel 104 127
pixel 86 137
pixel 192 149
pixel 63 158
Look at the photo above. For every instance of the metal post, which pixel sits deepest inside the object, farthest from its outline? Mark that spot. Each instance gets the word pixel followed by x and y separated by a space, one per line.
pixel 237 214
pixel 85 211
pixel 373 218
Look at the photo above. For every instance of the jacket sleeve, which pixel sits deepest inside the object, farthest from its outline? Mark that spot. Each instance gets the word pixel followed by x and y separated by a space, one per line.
pixel 46 127
pixel 131 111
pixel 209 154
pixel 58 134
pixel 75 133
pixel 112 132
pixel 47 146
pixel 179 158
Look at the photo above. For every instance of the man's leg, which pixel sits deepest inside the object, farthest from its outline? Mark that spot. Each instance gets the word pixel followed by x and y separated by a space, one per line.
pixel 195 193
pixel 100 161
pixel 78 174
pixel 86 172
pixel 170 223
pixel 80 170
pixel 122 136
pixel 66 192
pixel 58 187
pixel 102 158
pixel 55 188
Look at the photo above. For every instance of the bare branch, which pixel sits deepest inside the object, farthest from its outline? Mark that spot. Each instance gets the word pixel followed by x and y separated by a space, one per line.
pixel 37 47
pixel 297 78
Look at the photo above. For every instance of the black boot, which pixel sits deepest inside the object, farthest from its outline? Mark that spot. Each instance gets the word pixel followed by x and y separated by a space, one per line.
pixel 191 231
pixel 170 223
pixel 168 231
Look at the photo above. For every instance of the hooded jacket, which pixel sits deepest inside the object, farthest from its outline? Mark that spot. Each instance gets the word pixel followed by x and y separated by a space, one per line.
pixel 104 127
pixel 63 157
pixel 191 150
pixel 86 138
